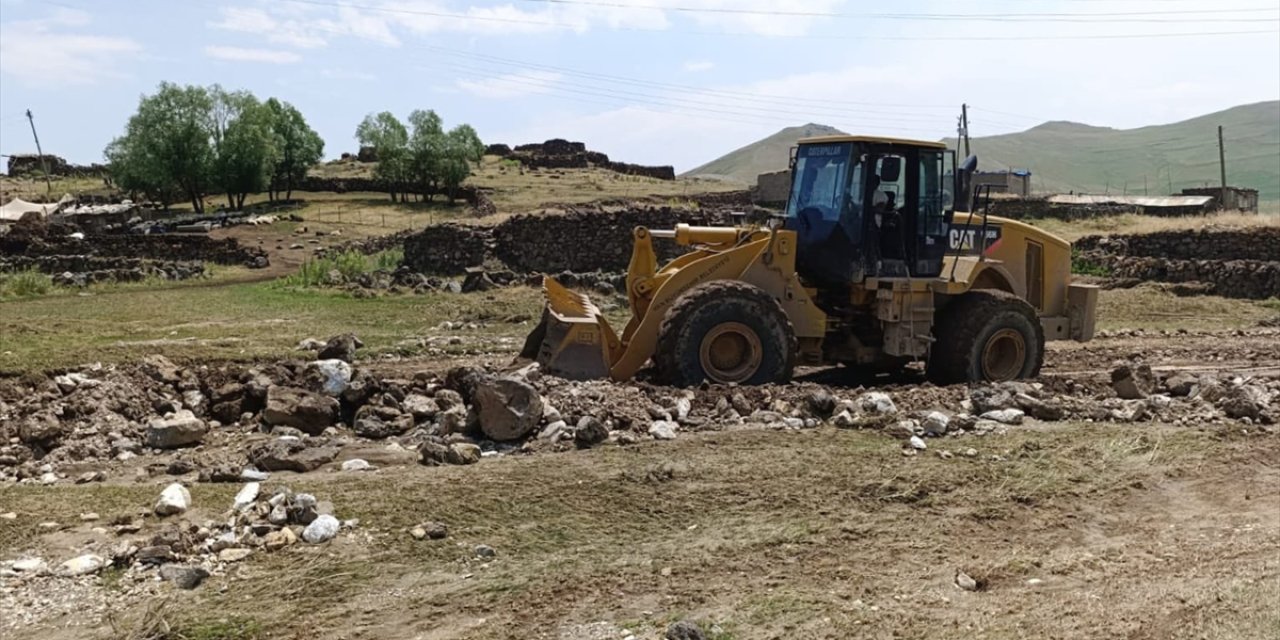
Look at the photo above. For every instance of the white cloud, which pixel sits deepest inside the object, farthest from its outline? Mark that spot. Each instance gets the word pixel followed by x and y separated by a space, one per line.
pixel 307 26
pixel 241 54
pixel 696 66
pixel 511 85
pixel 339 73
pixel 43 52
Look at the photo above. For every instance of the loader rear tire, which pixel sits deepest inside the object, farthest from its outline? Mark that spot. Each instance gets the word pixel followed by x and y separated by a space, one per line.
pixel 725 331
pixel 986 335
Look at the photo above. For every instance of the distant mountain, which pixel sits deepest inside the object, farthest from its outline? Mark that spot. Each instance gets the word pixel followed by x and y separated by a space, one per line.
pixel 1069 156
pixel 761 156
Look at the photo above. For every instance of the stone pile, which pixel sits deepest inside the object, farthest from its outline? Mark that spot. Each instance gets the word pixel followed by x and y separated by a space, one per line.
pixel 82 270
pixel 1259 244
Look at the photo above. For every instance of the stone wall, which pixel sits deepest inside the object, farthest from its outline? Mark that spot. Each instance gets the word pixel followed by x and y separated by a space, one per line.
pixel 563 154
pixel 446 248
pixel 1260 243
pixel 577 241
pixel 25 164
pixel 1253 279
pixel 1039 207
pixel 166 247
pixel 80 270
pixel 1236 263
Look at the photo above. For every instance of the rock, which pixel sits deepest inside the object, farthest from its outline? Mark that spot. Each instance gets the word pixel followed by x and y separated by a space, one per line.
pixel 322 529
pixel 1004 416
pixel 965 582
pixel 234 554
pixel 477 280
pixel 173 500
pixel 1246 401
pixel 590 432
pixel 917 443
pixel 291 407
pixel 485 551
pixel 420 407
pixel 844 420
pixel 80 566
pixel 341 347
pixel 986 399
pixel 331 377
pixel 435 530
pixel 161 369
pixel 682 407
pixel 1180 385
pixel 1039 409
pixel 509 409
pixel 684 630
pixel 284 454
pixel 249 474
pixel 154 554
pixel 183 429
pixel 464 453
pixel 277 540
pixel 357 464
pixel 1133 382
pixel 935 424
pixel 182 576
pixel 29 565
pixel 309 344
pixel 821 403
pixel 90 476
pixel 553 430
pixel 246 496
pixel 877 402
pixel 902 429
pixel 418 533
pixel 375 428
pixel 740 404
pixel 663 430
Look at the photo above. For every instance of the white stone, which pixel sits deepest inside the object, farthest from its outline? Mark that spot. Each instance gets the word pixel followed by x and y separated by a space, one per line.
pixel 247 495
pixel 964 581
pixel 335 373
pixel 844 420
pixel 918 443
pixel 322 529
pixel 683 406
pixel 877 402
pixel 1004 416
pixel 81 565
pixel 234 555
pixel 935 424
pixel 357 464
pixel 34 565
pixel 663 430
pixel 173 500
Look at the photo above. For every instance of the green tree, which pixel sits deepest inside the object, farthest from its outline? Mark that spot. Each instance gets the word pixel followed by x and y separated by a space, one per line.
pixel 299 146
pixel 244 144
pixel 426 150
pixel 390 141
pixel 166 149
pixel 461 148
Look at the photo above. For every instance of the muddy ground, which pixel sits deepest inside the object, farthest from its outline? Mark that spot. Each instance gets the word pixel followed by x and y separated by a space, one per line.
pixel 768 515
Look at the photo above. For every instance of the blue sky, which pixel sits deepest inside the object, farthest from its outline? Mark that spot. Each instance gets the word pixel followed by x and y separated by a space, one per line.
pixel 652 81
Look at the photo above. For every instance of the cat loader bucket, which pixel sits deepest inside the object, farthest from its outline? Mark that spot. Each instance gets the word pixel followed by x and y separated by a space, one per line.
pixel 573 340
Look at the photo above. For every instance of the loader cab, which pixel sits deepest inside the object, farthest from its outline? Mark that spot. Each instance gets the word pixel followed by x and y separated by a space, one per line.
pixel 870 207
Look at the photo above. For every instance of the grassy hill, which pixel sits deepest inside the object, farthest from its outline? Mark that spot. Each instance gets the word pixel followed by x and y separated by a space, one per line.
pixel 1068 156
pixel 761 156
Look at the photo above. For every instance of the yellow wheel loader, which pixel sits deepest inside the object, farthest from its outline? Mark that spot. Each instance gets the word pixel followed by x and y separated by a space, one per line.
pixel 872 266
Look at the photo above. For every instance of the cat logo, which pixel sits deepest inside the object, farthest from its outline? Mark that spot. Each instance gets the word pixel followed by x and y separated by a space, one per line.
pixel 971 241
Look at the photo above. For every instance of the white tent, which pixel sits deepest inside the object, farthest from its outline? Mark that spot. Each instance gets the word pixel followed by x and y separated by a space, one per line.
pixel 17 209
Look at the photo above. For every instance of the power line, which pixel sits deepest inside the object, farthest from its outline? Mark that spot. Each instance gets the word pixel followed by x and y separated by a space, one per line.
pixel 575 27
pixel 905 16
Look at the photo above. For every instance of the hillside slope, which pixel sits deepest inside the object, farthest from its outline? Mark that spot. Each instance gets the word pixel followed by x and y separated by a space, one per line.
pixel 761 156
pixel 1068 156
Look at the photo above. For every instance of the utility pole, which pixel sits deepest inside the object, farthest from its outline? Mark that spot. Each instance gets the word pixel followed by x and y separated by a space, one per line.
pixel 44 165
pixel 964 125
pixel 1222 164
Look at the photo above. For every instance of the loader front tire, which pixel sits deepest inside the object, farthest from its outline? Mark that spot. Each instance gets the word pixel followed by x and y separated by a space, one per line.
pixel 725 332
pixel 986 335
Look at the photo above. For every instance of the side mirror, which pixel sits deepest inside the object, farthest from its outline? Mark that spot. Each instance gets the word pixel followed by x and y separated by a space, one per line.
pixel 791 162
pixel 890 168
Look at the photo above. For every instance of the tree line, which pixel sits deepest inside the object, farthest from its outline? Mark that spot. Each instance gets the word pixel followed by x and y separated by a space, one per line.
pixel 426 159
pixel 186 142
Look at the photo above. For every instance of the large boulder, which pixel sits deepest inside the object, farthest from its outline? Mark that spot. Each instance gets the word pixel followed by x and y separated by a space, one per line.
pixel 341 347
pixel 508 409
pixel 288 454
pixel 182 429
pixel 330 377
pixel 1133 382
pixel 309 412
